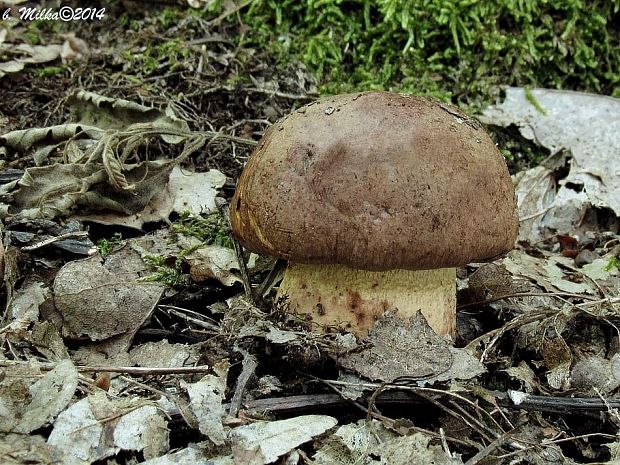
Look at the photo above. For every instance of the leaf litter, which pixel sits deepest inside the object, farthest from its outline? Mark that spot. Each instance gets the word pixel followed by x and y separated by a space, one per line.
pixel 541 322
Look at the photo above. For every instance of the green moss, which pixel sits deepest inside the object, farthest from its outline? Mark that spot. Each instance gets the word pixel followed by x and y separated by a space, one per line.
pixel 529 96
pixel 454 49
pixel 614 262
pixel 170 55
pixel 164 273
pixel 106 246
pixel 49 71
pixel 210 228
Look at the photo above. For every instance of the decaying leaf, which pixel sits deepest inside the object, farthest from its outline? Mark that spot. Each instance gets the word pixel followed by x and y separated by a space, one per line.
pixel 595 375
pixel 587 126
pixel 73 48
pixel 352 443
pixel 97 110
pixel 30 399
pixel 143 429
pixel 96 427
pixel 25 139
pixel 104 299
pixel 212 262
pixel 206 397
pixel 410 349
pixel 49 191
pixel 20 449
pixel 553 273
pixel 525 374
pixel 263 442
pixel 47 340
pixel 191 455
pixel 545 338
pixel 106 171
pixel 26 54
pixel 24 310
pixel 401 450
pixel 194 192
pixel 164 354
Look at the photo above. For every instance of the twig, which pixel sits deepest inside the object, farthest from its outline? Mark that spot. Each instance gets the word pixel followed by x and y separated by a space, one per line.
pixel 269 281
pixel 275 93
pixel 384 419
pixel 139 371
pixel 228 13
pixel 551 404
pixel 249 365
pixel 243 267
pixel 444 443
pixel 484 453
pixel 475 425
pixel 51 240
pixel 526 294
pixel 496 334
pixel 198 320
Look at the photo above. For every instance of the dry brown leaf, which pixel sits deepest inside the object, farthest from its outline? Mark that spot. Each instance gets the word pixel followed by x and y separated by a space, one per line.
pixel 104 299
pixel 409 349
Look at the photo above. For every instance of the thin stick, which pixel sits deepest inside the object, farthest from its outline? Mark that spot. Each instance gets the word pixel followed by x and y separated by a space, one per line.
pixel 527 294
pixel 51 240
pixel 138 371
pixel 249 365
pixel 243 267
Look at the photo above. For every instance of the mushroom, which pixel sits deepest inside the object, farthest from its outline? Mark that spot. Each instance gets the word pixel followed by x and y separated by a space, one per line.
pixel 374 198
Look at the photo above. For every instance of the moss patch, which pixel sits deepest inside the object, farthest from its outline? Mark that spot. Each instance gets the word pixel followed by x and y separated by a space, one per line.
pixel 459 50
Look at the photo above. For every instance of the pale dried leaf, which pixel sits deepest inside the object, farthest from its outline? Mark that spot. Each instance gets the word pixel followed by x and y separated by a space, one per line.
pixel 599 270
pixel 143 429
pixel 399 451
pixel 351 444
pixel 586 125
pixel 20 449
pixel 194 191
pixel 213 262
pixel 24 310
pixel 164 354
pixel 279 336
pixel 28 54
pixel 37 53
pixel 49 396
pixel 263 442
pixel 547 272
pixel 85 429
pixel 191 455
pixel 109 113
pixel 24 139
pixel 73 48
pixel 593 374
pixel 30 400
pixel 78 432
pixel 46 338
pixel 206 397
pixel 524 373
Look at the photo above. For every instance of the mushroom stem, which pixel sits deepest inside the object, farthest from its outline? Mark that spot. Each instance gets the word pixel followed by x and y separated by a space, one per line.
pixel 337 294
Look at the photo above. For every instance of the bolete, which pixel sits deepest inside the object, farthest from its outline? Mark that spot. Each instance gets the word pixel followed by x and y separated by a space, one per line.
pixel 374 198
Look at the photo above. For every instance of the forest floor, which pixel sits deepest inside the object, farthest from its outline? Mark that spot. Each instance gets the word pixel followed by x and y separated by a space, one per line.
pixel 129 332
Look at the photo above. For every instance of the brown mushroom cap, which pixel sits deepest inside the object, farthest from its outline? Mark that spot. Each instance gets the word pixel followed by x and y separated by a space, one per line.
pixel 376 181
